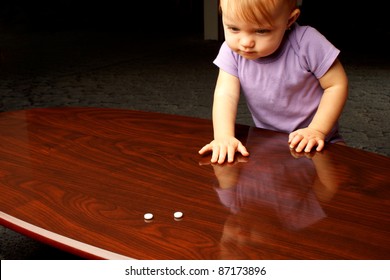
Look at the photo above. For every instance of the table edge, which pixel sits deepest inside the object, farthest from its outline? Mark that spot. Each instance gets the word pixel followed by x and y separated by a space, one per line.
pixel 57 240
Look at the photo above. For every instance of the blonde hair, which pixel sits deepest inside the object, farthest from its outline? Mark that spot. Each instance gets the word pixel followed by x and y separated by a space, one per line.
pixel 254 10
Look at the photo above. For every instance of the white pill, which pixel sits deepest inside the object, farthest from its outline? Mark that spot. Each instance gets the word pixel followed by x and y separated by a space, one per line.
pixel 148 216
pixel 178 215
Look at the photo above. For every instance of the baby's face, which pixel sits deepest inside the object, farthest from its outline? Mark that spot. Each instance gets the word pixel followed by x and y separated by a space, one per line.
pixel 253 40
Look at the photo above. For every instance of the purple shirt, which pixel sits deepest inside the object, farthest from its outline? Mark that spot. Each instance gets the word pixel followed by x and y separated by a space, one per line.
pixel 282 90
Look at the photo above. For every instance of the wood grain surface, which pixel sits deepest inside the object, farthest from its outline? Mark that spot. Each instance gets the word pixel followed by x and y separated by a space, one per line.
pixel 81 179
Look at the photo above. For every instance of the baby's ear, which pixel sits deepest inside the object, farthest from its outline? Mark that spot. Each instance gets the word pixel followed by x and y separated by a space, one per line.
pixel 293 17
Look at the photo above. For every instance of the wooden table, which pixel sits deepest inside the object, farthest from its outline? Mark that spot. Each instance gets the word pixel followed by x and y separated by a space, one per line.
pixel 81 179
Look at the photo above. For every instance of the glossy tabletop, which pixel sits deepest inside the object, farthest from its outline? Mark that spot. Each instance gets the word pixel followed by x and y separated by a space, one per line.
pixel 81 179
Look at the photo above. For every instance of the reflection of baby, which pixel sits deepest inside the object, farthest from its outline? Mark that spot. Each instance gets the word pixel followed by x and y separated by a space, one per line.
pixel 296 208
pixel 262 182
pixel 275 197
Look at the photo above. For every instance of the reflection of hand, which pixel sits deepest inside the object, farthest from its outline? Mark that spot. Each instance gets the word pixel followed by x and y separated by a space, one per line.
pixel 327 173
pixel 306 139
pixel 227 173
pixel 296 154
pixel 224 149
pixel 238 159
pixel 326 184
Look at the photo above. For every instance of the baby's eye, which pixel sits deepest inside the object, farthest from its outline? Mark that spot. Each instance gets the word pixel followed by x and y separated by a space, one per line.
pixel 262 31
pixel 235 29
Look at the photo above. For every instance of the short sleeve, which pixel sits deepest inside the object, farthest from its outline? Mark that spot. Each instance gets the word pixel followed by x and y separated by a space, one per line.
pixel 227 60
pixel 315 52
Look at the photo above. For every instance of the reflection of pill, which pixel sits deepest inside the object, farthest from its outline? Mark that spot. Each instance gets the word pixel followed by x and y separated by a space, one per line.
pixel 148 216
pixel 178 215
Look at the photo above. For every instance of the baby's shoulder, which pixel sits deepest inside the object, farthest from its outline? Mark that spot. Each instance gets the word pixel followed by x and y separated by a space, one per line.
pixel 304 33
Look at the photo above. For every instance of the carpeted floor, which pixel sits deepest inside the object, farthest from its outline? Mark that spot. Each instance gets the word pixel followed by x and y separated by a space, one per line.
pixel 169 74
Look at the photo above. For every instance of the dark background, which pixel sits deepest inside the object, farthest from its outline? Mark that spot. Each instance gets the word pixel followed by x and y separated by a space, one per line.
pixel 153 16
pixel 351 25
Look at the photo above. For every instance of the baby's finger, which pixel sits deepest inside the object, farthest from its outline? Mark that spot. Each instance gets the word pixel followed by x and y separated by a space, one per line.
pixel 205 149
pixel 215 155
pixel 310 144
pixel 241 149
pixel 301 146
pixel 230 153
pixel 222 154
pixel 321 145
pixel 295 141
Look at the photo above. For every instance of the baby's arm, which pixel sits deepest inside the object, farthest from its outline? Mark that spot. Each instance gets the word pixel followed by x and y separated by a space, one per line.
pixel 226 97
pixel 335 85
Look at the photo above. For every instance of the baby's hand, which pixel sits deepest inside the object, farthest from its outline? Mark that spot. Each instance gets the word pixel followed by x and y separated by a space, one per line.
pixel 306 139
pixel 224 149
